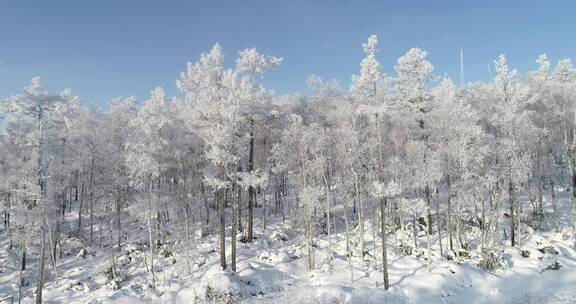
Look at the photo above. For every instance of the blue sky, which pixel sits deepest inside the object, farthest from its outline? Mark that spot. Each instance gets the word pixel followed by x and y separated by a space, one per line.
pixel 102 49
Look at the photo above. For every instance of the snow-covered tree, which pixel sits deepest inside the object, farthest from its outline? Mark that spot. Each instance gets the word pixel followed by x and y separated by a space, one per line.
pixel 36 113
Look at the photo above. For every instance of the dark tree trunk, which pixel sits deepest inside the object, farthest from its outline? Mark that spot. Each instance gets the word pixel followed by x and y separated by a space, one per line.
pixel 234 229
pixel 80 210
pixel 221 213
pixel 22 256
pixel 450 233
pixel 512 215
pixel 251 192
pixel 118 219
pixel 429 213
pixel 92 202
pixel 40 283
pixel 384 253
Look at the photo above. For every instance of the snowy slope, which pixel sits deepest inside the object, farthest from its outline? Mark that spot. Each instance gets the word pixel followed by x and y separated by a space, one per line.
pixel 274 270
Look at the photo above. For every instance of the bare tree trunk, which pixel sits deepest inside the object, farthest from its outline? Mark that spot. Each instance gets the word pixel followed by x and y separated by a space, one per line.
pixel 574 208
pixel 554 205
pixel 570 160
pixel 402 224
pixel 265 200
pixel 92 201
pixel 22 268
pixel 429 241
pixel 540 184
pixel 251 192
pixel 415 230
pixel 205 198
pixel 79 232
pixel 234 229
pixel 152 245
pixel 360 205
pixel 439 226
pixel 187 235
pixel 449 217
pixel 54 242
pixel 384 253
pixel 40 283
pixel 519 208
pixel 348 249
pixel 328 198
pixel 309 245
pixel 239 210
pixel 118 219
pixel 221 213
pixel 382 205
pixel 483 227
pixel 428 210
pixel 23 255
pixel 41 184
pixel 458 230
pixel 512 216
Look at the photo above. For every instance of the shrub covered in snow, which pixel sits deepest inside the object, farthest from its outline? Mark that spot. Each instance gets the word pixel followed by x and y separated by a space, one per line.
pixel 491 261
pixel 549 262
pixel 404 250
pixel 219 286
pixel 111 275
pixel 548 250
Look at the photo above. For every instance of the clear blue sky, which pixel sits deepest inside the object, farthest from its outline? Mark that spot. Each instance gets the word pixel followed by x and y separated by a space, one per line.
pixel 102 49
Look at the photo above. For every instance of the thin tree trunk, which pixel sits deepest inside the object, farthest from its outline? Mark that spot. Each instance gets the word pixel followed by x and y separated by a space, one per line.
pixel 540 184
pixel 375 229
pixel 554 205
pixel 40 283
pixel 23 255
pixel 439 226
pixel 360 204
pixel 328 197
pixel 265 200
pixel 348 249
pixel 234 230
pixel 512 215
pixel 384 253
pixel 429 241
pixel 483 227
pixel 251 192
pixel 22 268
pixel 80 210
pixel 574 208
pixel 310 246
pixel 151 240
pixel 450 225
pixel 382 205
pixel 118 219
pixel 92 201
pixel 415 230
pixel 239 210
pixel 54 242
pixel 187 235
pixel 41 184
pixel 428 210
pixel 221 213
pixel 205 204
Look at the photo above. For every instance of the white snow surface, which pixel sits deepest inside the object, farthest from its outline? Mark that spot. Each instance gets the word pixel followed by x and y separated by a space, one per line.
pixel 273 269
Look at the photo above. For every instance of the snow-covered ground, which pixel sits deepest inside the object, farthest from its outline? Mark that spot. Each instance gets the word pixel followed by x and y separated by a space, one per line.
pixel 274 270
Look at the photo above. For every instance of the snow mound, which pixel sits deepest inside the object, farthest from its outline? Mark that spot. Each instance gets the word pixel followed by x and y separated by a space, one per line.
pixel 219 286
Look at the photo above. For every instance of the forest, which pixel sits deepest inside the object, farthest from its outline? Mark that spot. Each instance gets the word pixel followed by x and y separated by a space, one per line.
pixel 235 193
